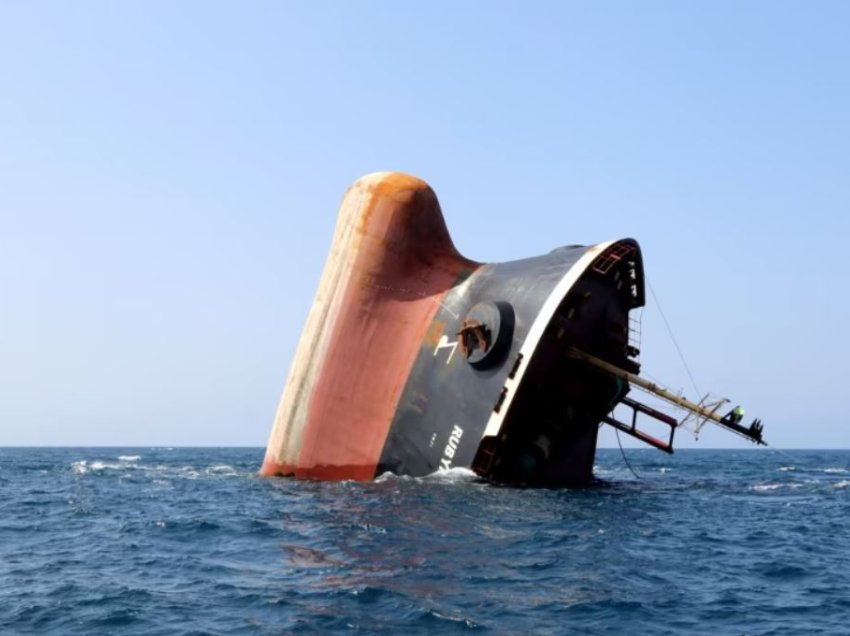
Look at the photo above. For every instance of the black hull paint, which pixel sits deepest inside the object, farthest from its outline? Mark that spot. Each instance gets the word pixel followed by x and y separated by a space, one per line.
pixel 547 434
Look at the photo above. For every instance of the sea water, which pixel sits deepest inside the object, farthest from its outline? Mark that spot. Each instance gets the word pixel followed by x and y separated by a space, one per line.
pixel 191 541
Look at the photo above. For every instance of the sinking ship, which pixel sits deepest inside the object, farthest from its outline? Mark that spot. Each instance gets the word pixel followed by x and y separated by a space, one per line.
pixel 416 359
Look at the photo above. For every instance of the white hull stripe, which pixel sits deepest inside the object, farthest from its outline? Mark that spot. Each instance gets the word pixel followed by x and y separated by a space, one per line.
pixel 544 316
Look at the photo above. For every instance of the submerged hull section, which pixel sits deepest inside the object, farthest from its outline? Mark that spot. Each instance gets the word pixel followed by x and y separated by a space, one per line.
pixel 415 358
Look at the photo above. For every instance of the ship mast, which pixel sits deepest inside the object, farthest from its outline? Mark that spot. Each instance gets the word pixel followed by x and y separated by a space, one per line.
pixel 702 412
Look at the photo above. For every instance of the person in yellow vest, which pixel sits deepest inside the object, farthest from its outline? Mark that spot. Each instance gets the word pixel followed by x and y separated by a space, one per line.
pixel 735 415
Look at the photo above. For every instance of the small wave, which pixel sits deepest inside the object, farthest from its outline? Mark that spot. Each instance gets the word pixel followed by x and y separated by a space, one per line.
pixel 435 617
pixel 842 484
pixel 221 469
pixel 85 466
pixel 98 465
pixel 793 485
pixel 129 463
pixel 390 476
pixel 836 471
pixel 783 571
pixel 188 472
pixel 441 475
pixel 785 469
pixel 452 475
pixel 765 487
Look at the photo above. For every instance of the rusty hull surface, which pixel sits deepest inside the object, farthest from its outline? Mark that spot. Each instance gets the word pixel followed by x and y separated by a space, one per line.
pixel 391 262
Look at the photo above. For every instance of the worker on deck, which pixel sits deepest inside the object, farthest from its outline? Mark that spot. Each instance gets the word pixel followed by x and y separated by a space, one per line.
pixel 735 415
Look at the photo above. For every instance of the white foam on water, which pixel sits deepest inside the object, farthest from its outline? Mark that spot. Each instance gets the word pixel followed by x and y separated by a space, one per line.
pixel 391 476
pixel 131 463
pixel 188 472
pixel 785 469
pixel 84 466
pixel 98 465
pixel 836 471
pixel 842 484
pixel 765 487
pixel 221 469
pixel 452 475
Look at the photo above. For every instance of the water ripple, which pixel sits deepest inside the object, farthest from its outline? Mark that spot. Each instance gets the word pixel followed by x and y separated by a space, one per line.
pixel 191 541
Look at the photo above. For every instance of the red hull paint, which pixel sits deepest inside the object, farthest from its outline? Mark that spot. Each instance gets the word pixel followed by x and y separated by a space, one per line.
pixel 391 263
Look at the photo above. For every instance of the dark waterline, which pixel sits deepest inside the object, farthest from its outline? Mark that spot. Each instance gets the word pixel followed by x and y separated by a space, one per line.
pixel 191 541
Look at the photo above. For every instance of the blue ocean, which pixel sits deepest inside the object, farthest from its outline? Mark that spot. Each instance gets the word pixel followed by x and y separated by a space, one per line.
pixel 191 541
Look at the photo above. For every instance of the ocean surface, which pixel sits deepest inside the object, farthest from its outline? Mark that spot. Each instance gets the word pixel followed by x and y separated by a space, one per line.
pixel 191 541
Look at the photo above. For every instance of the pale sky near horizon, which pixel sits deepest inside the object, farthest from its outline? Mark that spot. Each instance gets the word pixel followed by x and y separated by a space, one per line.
pixel 170 175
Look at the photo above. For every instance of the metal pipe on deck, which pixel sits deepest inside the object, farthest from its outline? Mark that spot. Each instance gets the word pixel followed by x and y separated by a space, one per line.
pixel 664 394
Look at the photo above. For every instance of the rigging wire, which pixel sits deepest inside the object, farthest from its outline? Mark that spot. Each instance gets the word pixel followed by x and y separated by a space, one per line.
pixel 687 369
pixel 623 453
pixel 777 450
pixel 673 338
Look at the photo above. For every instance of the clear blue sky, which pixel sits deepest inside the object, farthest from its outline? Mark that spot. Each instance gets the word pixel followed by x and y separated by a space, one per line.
pixel 170 175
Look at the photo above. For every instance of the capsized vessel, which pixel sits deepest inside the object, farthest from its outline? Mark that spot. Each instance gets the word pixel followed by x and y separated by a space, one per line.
pixel 414 358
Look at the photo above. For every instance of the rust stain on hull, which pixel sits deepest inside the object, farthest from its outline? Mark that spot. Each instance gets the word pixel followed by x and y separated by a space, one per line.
pixel 391 263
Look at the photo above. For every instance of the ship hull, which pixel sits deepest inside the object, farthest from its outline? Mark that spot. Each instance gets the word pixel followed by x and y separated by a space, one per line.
pixel 416 359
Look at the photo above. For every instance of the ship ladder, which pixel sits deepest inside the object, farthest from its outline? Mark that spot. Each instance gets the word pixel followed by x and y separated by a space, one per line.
pixel 634 431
